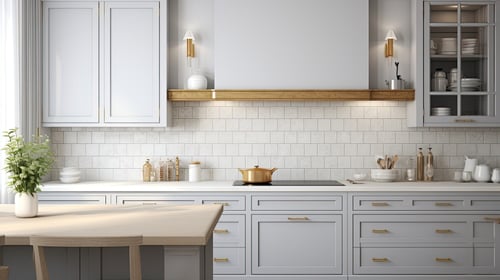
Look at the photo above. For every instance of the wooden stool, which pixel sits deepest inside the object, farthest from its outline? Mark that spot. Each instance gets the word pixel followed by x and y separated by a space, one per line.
pixel 133 242
pixel 4 271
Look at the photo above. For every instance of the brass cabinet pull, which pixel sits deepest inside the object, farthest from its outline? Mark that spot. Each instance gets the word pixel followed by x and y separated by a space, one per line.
pixel 380 260
pixel 443 259
pixel 221 259
pixel 464 120
pixel 496 220
pixel 222 203
pixel 443 204
pixel 380 204
pixel 298 218
pixel 222 230
pixel 444 231
pixel 149 203
pixel 380 231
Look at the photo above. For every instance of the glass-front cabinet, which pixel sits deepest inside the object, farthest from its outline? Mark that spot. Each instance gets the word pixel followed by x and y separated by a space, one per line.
pixel 460 63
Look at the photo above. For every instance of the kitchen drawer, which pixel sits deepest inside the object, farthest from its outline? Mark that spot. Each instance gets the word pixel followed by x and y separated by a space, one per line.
pixel 413 260
pixel 423 203
pixel 155 200
pixel 73 198
pixel 230 203
pixel 297 203
pixel 230 231
pixel 229 260
pixel 412 228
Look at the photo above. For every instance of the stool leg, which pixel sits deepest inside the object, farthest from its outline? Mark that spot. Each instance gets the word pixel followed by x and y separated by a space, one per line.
pixel 40 264
pixel 135 263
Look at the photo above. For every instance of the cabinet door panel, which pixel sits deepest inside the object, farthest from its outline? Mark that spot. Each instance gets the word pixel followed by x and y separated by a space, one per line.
pixel 131 63
pixel 296 244
pixel 70 62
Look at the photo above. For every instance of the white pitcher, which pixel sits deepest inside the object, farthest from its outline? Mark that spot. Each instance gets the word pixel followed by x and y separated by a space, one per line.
pixel 470 164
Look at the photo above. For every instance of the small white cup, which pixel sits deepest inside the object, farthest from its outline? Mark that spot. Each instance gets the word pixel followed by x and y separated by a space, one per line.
pixel 457 176
pixel 466 176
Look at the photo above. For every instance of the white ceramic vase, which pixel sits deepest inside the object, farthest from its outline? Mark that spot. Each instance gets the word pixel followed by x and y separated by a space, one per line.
pixel 26 205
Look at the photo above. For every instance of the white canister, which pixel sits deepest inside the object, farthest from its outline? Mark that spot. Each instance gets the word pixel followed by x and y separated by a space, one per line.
pixel 195 171
pixel 495 175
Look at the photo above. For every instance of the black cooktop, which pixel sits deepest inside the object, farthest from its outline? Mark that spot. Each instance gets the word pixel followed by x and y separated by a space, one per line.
pixel 293 183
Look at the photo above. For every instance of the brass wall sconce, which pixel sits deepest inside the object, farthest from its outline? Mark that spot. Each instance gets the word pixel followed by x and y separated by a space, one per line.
pixel 189 38
pixel 389 45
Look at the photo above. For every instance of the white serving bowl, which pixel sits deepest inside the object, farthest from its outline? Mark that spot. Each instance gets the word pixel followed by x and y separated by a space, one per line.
pixel 385 175
pixel 69 180
pixel 69 169
pixel 70 173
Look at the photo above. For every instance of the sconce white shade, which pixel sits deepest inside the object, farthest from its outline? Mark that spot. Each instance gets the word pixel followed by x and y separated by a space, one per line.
pixel 390 35
pixel 188 35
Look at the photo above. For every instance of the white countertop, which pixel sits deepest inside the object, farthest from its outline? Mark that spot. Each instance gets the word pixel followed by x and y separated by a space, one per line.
pixel 226 186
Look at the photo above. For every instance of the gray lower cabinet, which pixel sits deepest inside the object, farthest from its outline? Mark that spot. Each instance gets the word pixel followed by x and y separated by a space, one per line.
pixel 441 235
pixel 297 235
pixel 367 236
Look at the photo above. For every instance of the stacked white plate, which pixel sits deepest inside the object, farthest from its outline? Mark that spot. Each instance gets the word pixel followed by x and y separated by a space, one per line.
pixel 69 175
pixel 448 46
pixel 441 111
pixel 469 46
pixel 468 84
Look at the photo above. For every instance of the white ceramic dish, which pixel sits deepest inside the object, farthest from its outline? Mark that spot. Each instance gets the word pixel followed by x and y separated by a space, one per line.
pixel 69 173
pixel 384 175
pixel 69 180
pixel 359 176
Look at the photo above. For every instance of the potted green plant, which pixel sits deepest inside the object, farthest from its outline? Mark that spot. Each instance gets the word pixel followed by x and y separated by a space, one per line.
pixel 26 163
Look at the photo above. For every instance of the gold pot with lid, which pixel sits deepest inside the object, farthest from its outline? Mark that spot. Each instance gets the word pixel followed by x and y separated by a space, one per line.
pixel 257 175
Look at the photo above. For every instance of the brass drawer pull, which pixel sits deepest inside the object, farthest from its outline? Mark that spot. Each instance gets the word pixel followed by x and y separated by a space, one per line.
pixel 221 230
pixel 149 203
pixel 221 259
pixel 496 220
pixel 443 259
pixel 380 231
pixel 384 260
pixel 222 203
pixel 298 218
pixel 444 231
pixel 464 120
pixel 443 204
pixel 380 204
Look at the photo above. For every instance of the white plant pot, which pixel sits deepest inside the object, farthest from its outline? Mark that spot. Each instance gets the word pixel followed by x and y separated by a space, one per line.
pixel 26 206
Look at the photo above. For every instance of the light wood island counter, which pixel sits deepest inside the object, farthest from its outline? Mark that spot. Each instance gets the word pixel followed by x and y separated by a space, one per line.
pixel 180 230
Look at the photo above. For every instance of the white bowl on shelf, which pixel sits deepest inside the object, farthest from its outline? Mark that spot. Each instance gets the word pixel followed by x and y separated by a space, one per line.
pixel 69 180
pixel 384 175
pixel 70 173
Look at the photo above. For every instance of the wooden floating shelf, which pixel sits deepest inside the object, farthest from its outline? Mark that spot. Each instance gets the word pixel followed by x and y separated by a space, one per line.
pixel 290 95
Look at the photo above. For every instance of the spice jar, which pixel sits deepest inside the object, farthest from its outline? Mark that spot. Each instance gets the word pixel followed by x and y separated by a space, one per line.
pixel 194 171
pixel 146 171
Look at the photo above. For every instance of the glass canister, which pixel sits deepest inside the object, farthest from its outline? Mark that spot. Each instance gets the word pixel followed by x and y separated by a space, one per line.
pixel 146 171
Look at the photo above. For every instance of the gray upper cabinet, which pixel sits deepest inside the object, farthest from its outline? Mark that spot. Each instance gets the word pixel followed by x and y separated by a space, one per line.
pixel 457 42
pixel 104 63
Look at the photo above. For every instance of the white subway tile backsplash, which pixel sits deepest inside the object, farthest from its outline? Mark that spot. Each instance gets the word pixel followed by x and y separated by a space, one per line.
pixel 304 140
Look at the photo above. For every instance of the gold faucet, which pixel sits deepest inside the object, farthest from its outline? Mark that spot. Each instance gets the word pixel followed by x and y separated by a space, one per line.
pixel 177 177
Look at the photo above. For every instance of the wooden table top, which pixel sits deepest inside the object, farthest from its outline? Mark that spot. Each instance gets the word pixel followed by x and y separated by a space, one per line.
pixel 159 225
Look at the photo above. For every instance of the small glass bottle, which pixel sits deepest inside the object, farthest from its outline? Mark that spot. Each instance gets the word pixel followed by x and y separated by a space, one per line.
pixel 429 166
pixel 146 171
